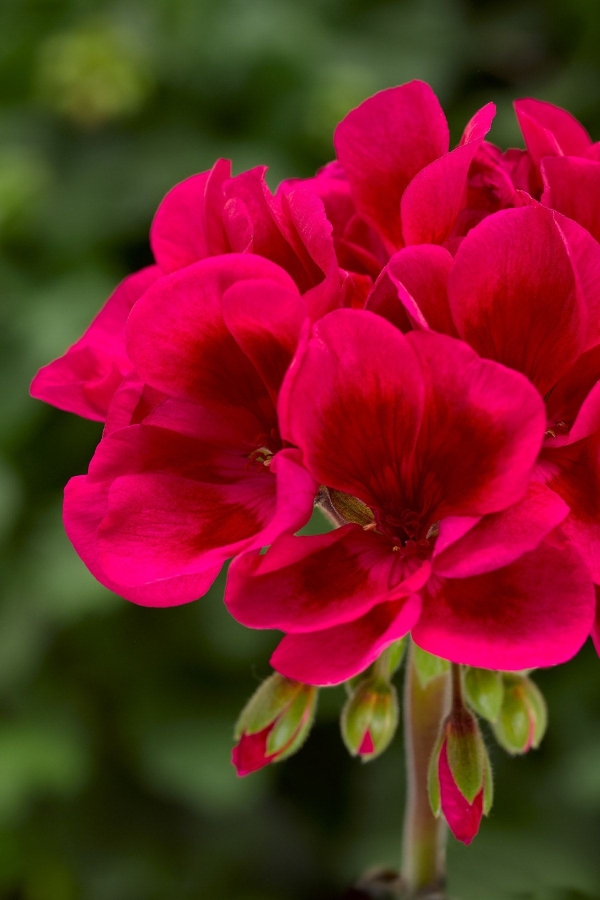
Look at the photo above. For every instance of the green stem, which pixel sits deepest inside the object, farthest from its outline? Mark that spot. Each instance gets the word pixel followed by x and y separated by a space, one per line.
pixel 424 840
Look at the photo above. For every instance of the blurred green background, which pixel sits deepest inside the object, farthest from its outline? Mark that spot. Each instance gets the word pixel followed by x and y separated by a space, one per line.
pixel 115 732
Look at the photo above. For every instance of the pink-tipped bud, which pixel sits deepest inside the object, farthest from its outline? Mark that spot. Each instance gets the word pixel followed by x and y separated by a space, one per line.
pixel 460 779
pixel 274 723
pixel 523 716
pixel 370 718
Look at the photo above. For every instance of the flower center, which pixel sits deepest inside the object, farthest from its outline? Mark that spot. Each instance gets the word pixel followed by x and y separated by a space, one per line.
pixel 407 531
pixel 264 447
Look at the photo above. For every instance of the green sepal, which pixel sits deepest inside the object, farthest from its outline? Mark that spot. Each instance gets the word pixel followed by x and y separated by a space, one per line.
pixel 372 707
pixel 513 728
pixel 488 784
pixel 303 730
pixel 356 716
pixel 267 702
pixel 353 683
pixel 433 778
pixel 289 721
pixel 464 746
pixel 538 710
pixel 428 666
pixel 384 721
pixel 389 661
pixel 484 691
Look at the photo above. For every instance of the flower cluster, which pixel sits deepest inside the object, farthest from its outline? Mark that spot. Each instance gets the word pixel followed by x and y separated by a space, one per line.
pixel 409 339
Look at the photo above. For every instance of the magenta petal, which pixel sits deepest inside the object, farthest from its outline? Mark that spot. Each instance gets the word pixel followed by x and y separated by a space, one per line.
pixel 423 271
pixel 481 431
pixel 569 395
pixel 84 508
pixel 366 745
pixel 389 299
pixel 337 654
pixel 314 582
pixel 178 338
pixel 84 380
pixel 573 471
pixel 337 400
pixel 250 753
pixel 383 143
pixel 188 225
pixel 433 199
pixel 571 187
pixel 462 817
pixel 550 131
pixel 161 526
pixel 499 539
pixel 514 296
pixel 536 612
pixel 265 319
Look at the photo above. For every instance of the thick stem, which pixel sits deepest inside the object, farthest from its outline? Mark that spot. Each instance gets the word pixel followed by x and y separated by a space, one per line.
pixel 424 840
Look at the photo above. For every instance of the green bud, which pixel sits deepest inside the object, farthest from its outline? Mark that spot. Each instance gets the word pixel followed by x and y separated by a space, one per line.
pixel 433 778
pixel 523 716
pixel 466 752
pixel 370 718
pixel 428 666
pixel 484 690
pixel 389 661
pixel 274 724
pixel 488 784
pixel 272 697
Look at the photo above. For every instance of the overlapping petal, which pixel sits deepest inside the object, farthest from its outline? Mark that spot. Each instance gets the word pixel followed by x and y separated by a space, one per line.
pixel 537 611
pixel 336 654
pixel 434 198
pixel 383 143
pixel 514 295
pixel 84 380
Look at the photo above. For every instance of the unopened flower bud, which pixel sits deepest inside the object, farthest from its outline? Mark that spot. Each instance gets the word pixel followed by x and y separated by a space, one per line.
pixel 274 723
pixel 523 716
pixel 484 691
pixel 370 718
pixel 460 776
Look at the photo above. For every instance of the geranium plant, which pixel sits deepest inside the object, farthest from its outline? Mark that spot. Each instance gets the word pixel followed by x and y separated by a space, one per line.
pixel 409 341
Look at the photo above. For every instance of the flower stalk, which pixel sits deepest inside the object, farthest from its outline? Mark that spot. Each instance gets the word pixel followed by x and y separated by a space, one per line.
pixel 424 839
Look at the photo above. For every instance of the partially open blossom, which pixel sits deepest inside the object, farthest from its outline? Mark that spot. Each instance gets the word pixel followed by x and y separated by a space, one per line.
pixel 460 776
pixel 274 724
pixel 523 718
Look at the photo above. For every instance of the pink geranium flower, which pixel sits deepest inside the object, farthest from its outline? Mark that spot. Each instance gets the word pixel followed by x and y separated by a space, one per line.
pixel 206 215
pixel 437 447
pixel 192 468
